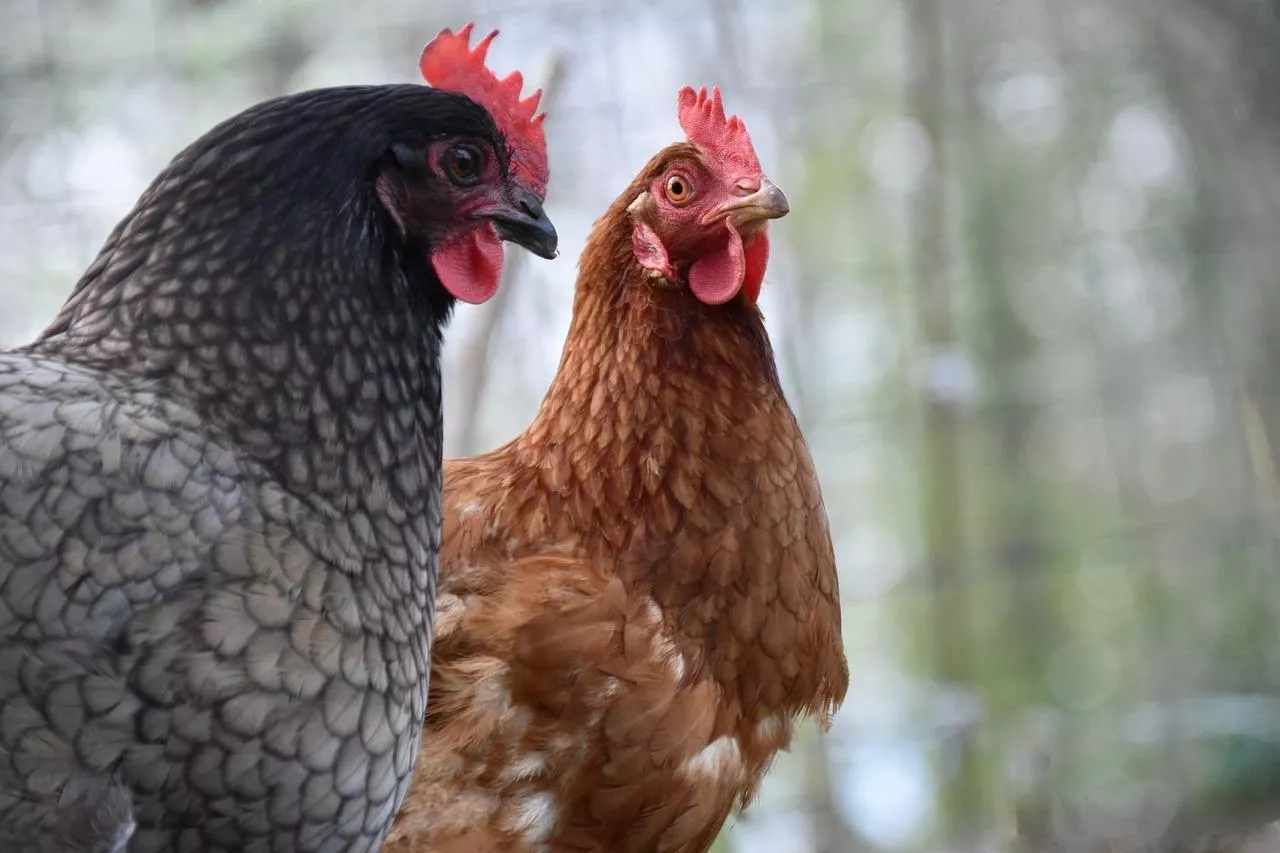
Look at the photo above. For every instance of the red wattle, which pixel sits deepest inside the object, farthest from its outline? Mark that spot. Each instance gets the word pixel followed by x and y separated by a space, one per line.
pixel 469 265
pixel 716 277
pixel 757 251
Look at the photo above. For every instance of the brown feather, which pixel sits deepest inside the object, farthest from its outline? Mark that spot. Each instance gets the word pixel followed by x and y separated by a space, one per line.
pixel 638 596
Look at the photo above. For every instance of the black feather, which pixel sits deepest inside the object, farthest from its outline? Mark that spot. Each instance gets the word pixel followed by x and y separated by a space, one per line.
pixel 220 499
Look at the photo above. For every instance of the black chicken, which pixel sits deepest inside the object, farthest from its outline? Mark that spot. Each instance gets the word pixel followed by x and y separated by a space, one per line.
pixel 220 475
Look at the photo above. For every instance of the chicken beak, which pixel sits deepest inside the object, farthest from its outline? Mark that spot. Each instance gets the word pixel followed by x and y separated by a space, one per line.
pixel 525 223
pixel 768 202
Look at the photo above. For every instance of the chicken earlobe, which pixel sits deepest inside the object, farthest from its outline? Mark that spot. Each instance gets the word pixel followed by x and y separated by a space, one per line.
pixel 469 264
pixel 646 245
pixel 649 251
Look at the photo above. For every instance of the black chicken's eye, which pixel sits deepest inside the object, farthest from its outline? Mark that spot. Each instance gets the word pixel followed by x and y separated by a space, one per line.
pixel 463 164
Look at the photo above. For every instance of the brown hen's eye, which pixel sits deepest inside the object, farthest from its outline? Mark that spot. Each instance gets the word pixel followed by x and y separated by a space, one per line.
pixel 463 164
pixel 678 188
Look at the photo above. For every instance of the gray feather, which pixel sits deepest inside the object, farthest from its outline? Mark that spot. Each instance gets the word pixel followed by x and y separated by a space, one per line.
pixel 220 502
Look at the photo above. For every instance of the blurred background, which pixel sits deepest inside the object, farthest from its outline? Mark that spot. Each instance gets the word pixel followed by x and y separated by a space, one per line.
pixel 1025 307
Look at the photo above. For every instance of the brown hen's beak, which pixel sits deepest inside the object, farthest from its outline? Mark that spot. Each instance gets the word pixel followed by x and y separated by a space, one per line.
pixel 525 222
pixel 768 202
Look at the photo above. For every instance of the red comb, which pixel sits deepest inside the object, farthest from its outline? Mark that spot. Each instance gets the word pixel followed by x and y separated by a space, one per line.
pixel 450 63
pixel 704 122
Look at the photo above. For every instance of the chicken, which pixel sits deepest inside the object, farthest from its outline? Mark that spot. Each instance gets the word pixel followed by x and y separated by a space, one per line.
pixel 220 474
pixel 638 595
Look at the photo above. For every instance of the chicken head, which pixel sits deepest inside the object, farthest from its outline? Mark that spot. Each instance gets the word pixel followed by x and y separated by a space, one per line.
pixel 702 218
pixel 464 196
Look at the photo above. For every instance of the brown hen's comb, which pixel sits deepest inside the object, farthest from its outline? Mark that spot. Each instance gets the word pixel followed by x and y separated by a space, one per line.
pixel 449 62
pixel 703 121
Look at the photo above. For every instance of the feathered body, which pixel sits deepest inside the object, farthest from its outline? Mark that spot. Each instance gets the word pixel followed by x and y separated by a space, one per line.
pixel 220 487
pixel 638 595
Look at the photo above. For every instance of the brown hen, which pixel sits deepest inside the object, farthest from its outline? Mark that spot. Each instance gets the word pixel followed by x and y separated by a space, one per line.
pixel 638 596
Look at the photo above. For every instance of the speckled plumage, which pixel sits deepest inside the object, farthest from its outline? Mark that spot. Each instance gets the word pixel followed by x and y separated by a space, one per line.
pixel 220 497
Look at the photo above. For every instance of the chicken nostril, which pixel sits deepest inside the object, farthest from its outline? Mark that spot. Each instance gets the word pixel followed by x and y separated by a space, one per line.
pixel 530 207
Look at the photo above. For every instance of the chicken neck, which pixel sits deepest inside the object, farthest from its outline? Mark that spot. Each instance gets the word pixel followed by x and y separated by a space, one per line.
pixel 660 408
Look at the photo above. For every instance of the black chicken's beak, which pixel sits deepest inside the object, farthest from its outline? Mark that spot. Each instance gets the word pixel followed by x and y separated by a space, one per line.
pixel 526 223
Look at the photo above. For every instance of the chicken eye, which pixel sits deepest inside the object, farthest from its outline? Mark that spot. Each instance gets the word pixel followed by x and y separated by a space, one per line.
pixel 463 164
pixel 678 188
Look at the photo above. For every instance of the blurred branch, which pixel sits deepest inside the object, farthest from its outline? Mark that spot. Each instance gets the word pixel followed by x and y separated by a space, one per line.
pixel 959 776
pixel 831 832
pixel 1229 114
pixel 1017 540
pixel 477 351
pixel 724 17
pixel 1260 451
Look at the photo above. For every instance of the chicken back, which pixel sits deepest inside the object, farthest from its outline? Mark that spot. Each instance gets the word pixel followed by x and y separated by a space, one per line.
pixel 638 594
pixel 220 480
